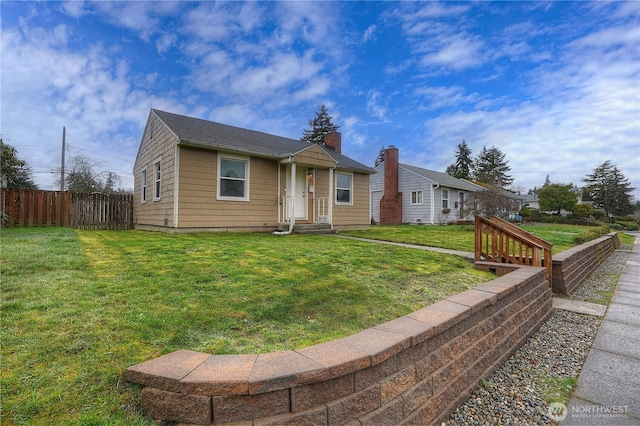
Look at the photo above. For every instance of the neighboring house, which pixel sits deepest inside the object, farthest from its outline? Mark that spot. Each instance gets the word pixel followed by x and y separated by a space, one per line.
pixel 406 194
pixel 531 201
pixel 498 201
pixel 193 174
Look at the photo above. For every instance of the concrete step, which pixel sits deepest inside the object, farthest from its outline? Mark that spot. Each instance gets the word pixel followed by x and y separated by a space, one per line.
pixel 308 228
pixel 314 231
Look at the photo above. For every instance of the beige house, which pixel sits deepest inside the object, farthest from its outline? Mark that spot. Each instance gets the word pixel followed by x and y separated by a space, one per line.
pixel 192 174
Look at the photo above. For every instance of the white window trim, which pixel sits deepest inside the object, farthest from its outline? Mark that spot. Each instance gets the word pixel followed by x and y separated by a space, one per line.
pixel 443 198
pixel 421 197
pixel 342 203
pixel 157 181
pixel 144 194
pixel 247 174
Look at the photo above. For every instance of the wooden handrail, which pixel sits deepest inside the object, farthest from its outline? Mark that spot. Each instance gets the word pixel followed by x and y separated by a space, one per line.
pixel 497 240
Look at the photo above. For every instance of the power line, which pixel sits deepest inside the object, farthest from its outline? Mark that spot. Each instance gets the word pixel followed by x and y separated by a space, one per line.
pixel 97 153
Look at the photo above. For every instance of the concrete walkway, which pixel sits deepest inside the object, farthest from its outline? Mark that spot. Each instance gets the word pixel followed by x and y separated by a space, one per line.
pixel 579 306
pixel 465 254
pixel 608 391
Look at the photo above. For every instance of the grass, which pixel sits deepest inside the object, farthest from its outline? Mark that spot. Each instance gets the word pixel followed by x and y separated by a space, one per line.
pixel 79 307
pixel 557 389
pixel 461 237
pixel 626 241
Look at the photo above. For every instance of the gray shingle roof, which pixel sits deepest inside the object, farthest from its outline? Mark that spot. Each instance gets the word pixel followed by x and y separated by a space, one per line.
pixel 443 179
pixel 198 132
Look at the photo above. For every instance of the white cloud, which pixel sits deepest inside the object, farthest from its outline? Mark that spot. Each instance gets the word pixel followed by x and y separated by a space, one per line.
pixel 212 22
pixel 374 108
pixel 457 52
pixel 352 138
pixel 315 88
pixel 284 71
pixel 311 21
pixel 75 8
pixel 437 97
pixel 437 9
pixel 439 37
pixel 369 33
pixel 47 86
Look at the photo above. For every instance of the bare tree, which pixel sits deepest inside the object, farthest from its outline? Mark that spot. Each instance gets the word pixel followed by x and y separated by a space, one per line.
pixel 82 177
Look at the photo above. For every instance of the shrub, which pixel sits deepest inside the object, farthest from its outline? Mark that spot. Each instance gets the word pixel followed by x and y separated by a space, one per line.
pixel 598 214
pixel 525 212
pixel 583 210
pixel 591 234
pixel 626 226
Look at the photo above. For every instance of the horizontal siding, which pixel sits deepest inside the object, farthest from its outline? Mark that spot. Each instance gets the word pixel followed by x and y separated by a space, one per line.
pixel 376 196
pixel 355 215
pixel 157 142
pixel 414 213
pixel 314 156
pixel 321 184
pixel 377 191
pixel 198 206
pixel 377 179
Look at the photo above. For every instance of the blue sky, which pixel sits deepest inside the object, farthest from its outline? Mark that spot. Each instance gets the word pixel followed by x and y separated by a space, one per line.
pixel 554 85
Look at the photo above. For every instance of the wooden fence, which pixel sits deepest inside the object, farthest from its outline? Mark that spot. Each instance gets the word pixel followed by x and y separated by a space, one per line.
pixel 30 208
pixel 497 240
pixel 101 211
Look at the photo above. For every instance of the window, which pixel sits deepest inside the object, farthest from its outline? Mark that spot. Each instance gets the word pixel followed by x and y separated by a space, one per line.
pixel 143 195
pixel 445 198
pixel 344 183
pixel 156 180
pixel 233 182
pixel 416 197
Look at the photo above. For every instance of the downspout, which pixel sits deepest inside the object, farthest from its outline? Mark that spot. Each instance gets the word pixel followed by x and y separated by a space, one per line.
pixel 292 218
pixel 433 202
pixel 331 195
pixel 176 187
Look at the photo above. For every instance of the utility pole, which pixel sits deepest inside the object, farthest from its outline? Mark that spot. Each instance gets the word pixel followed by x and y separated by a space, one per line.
pixel 64 132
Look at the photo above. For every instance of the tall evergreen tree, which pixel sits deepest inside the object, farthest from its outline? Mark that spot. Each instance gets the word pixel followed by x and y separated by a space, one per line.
pixel 321 125
pixel 14 172
pixel 380 158
pixel 463 167
pixel 491 167
pixel 609 189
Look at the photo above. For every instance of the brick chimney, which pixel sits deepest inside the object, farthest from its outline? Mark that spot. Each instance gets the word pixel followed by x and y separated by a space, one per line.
pixel 334 141
pixel 391 202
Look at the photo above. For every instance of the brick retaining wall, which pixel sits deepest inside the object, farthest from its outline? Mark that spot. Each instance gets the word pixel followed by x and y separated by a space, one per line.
pixel 572 266
pixel 415 369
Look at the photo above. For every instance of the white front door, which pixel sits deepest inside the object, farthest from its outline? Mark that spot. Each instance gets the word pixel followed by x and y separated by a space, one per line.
pixel 300 196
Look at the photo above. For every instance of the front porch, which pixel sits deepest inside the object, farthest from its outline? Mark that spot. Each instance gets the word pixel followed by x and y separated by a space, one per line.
pixel 305 191
pixel 320 213
pixel 308 228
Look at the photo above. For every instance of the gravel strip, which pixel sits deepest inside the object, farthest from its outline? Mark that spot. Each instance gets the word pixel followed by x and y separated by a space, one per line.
pixel 519 392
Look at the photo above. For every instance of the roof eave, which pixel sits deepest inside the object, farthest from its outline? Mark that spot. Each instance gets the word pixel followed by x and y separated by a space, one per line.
pixel 229 148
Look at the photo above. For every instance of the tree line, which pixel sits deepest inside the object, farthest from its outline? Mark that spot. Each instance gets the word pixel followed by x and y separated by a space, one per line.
pixel 606 188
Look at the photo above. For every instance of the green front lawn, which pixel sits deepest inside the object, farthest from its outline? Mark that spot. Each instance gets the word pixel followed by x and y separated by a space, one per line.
pixel 461 237
pixel 79 307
